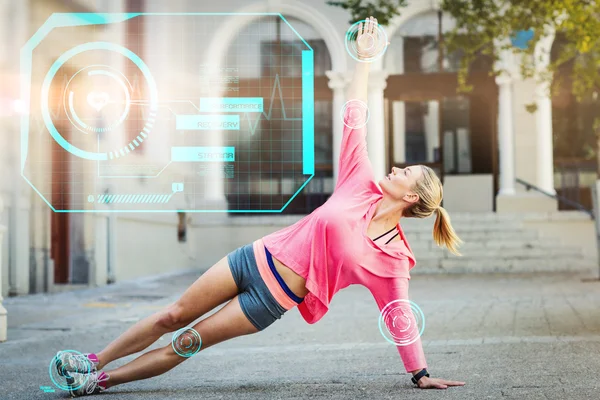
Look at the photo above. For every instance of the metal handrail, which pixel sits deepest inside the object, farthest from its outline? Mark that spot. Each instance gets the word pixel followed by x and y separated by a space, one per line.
pixel 558 197
pixel 571 172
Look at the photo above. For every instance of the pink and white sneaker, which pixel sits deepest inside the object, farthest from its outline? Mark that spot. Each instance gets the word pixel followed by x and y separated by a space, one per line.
pixel 68 362
pixel 87 384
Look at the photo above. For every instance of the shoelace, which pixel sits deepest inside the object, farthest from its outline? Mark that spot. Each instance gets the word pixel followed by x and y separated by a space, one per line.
pixel 94 382
pixel 81 362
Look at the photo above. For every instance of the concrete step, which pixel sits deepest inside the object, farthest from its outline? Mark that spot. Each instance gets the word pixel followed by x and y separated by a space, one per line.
pixel 467 227
pixel 491 244
pixel 473 265
pixel 456 218
pixel 486 254
pixel 492 221
pixel 413 237
pixel 525 216
pixel 496 243
pixel 459 217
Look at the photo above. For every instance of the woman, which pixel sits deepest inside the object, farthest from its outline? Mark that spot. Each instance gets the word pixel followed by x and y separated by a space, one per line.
pixel 303 265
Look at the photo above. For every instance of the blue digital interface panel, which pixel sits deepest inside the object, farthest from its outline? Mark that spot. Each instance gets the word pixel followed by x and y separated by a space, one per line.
pixel 190 116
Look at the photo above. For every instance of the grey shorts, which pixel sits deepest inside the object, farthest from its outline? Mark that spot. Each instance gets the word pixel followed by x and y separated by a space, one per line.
pixel 256 300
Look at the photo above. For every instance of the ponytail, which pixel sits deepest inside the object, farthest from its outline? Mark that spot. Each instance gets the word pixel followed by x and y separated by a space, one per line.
pixel 444 234
pixel 430 191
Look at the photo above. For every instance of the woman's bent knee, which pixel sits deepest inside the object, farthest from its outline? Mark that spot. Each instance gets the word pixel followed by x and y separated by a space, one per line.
pixel 171 318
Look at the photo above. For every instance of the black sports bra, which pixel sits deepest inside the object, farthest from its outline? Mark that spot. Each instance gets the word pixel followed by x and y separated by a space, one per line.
pixel 386 234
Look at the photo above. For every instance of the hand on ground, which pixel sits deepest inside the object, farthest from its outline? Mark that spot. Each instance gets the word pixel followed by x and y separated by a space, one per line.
pixel 437 383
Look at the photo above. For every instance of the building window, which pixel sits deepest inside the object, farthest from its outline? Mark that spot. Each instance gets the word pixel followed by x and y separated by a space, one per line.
pixel 267 56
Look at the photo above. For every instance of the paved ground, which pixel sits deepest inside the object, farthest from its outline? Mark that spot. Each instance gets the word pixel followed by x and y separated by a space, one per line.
pixel 515 337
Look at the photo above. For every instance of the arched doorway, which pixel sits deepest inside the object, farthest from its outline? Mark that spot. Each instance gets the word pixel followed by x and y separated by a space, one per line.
pixel 269 66
pixel 427 122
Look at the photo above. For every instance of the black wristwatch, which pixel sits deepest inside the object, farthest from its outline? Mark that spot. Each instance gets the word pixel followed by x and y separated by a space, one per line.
pixel 415 379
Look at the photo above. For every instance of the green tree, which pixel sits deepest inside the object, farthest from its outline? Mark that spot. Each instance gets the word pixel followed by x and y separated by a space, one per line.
pixel 481 23
pixel 383 10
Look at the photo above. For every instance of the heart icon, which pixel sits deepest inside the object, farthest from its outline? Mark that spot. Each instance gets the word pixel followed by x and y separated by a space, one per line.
pixel 98 100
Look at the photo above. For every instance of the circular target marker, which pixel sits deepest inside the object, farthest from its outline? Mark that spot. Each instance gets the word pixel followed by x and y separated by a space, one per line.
pixel 401 322
pixel 186 342
pixel 355 114
pixel 366 45
pixel 152 99
pixel 65 363
pixel 113 84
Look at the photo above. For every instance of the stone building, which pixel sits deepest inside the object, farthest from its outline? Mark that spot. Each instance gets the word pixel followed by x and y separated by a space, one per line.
pixel 479 143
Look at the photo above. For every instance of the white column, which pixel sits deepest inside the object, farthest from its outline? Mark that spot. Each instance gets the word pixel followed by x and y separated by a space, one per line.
pixel 432 128
pixel 376 124
pixel 399 119
pixel 3 313
pixel 506 136
pixel 545 158
pixel 337 82
pixel 5 32
pixel 19 243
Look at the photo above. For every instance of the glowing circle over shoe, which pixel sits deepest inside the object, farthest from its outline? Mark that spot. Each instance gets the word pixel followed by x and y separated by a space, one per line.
pixel 65 363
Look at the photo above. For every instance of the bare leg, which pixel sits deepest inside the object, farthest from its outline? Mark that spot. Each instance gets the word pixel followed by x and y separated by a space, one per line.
pixel 227 323
pixel 213 288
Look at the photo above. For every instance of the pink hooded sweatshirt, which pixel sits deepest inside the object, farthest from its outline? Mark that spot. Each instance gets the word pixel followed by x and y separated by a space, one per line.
pixel 331 250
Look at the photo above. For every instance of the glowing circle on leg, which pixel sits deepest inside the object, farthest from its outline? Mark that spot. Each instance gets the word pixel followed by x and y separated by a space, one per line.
pixel 186 342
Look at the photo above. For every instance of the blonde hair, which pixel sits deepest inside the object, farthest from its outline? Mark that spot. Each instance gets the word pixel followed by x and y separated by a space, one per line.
pixel 430 192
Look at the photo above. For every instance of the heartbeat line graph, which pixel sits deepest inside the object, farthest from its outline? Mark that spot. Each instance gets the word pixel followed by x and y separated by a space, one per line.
pixel 252 124
pixel 276 85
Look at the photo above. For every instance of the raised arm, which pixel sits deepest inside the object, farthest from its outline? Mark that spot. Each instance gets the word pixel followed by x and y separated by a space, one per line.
pixel 354 164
